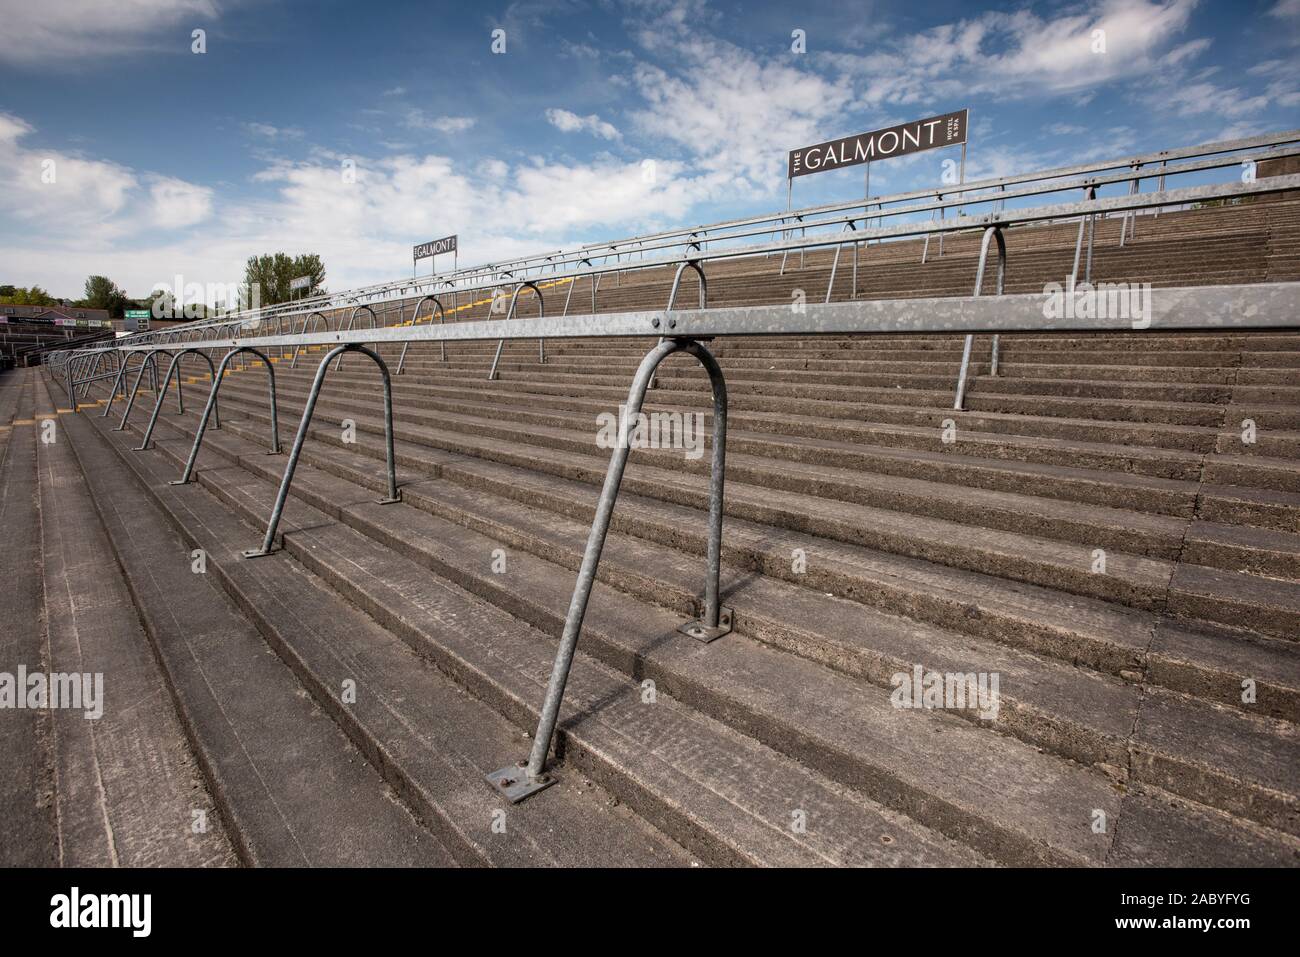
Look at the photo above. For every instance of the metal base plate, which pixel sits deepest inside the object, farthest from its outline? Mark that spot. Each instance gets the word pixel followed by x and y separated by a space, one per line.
pixel 256 553
pixel 696 629
pixel 390 501
pixel 514 784
pixel 178 482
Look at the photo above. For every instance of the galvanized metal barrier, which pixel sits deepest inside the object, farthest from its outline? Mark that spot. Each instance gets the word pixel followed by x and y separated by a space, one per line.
pixel 1091 221
pixel 672 294
pixel 394 495
pixel 293 363
pixel 517 782
pixel 1259 306
pixel 374 324
pixel 174 369
pixel 993 232
pixel 212 404
pixel 510 314
pixel 119 382
pixel 130 402
pixel 442 317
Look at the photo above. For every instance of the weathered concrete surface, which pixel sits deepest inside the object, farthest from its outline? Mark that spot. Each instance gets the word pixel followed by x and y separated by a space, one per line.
pixel 27 826
pixel 291 788
pixel 127 790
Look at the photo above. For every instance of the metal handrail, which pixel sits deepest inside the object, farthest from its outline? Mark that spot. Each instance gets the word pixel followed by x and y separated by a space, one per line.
pixel 1172 197
pixel 386 290
pixel 1258 306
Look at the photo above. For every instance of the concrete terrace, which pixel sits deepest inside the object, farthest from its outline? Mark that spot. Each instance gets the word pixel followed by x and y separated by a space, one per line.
pixel 858 545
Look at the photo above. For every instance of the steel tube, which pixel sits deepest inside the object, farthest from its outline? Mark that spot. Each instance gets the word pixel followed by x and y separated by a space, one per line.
pixel 600 527
pixel 211 404
pixel 268 543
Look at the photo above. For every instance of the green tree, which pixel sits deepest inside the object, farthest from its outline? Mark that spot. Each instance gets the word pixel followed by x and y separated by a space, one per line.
pixel 103 293
pixel 272 273
pixel 33 296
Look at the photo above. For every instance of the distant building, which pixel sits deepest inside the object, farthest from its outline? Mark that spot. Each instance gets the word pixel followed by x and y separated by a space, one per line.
pixel 59 315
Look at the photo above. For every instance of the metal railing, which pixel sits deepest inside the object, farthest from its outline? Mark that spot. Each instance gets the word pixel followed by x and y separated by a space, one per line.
pixel 1262 306
pixel 1131 171
pixel 1258 306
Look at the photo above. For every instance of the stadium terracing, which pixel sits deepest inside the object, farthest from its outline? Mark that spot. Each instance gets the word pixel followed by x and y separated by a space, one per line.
pixel 1005 568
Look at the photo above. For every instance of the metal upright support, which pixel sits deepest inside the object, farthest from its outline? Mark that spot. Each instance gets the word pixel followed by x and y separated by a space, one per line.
pixel 1086 219
pixel 442 319
pixel 118 383
pixel 374 324
pixel 174 367
pixel 149 362
pixel 993 232
pixel 672 294
pixel 394 495
pixel 517 782
pixel 1134 187
pixel 293 363
pixel 785 254
pixel 835 263
pixel 541 312
pixel 212 404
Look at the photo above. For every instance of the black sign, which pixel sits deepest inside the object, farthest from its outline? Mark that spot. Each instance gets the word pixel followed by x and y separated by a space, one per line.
pixel 927 134
pixel 434 248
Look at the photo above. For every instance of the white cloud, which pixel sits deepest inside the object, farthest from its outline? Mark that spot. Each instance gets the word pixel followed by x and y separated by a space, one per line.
pixel 418 120
pixel 567 122
pixel 141 228
pixel 1024 54
pixel 395 91
pixel 272 132
pixel 51 187
pixel 176 203
pixel 51 33
pixel 736 112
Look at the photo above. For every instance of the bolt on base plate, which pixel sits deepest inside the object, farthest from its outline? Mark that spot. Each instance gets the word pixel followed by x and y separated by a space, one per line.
pixel 514 783
pixel 256 553
pixel 701 632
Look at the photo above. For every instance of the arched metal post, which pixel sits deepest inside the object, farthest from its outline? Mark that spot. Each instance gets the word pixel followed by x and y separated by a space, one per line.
pixel 1088 220
pixel 119 383
pixel 174 367
pixel 672 293
pixel 293 363
pixel 835 264
pixel 541 311
pixel 517 782
pixel 993 232
pixel 442 318
pixel 374 324
pixel 150 360
pixel 394 495
pixel 212 403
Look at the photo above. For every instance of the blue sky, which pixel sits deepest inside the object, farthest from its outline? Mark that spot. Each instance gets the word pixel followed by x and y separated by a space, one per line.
pixel 169 161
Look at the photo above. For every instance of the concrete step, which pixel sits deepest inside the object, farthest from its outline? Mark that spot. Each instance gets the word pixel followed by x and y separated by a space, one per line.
pixel 687 773
pixel 28 831
pixel 127 791
pixel 290 787
pixel 435 544
pixel 432 743
pixel 511 401
pixel 1107 637
pixel 1137 580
